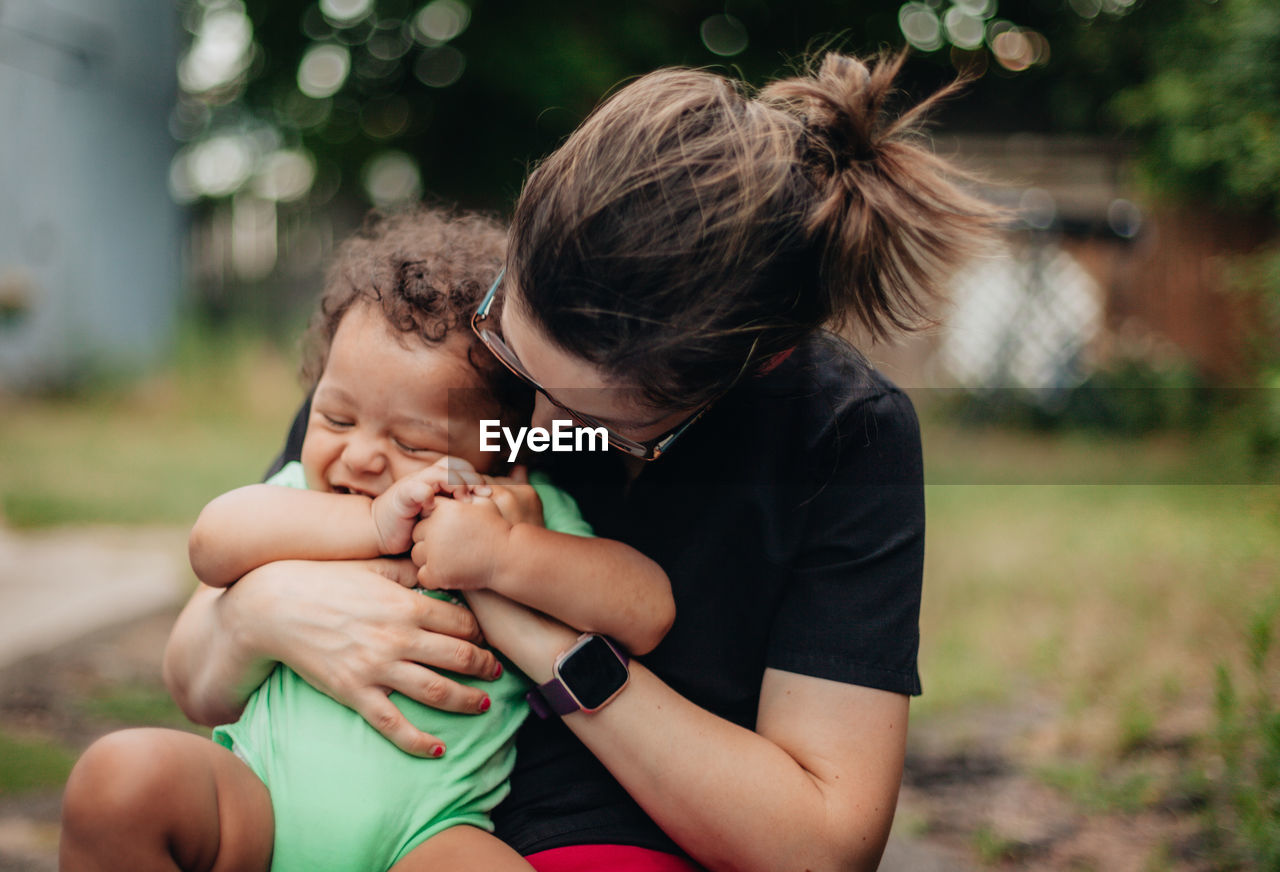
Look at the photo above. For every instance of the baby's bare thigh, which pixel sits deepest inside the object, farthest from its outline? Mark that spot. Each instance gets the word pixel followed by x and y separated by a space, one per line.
pixel 151 798
pixel 462 848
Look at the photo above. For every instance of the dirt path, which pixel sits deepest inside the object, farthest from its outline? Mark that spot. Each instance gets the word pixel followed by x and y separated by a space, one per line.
pixel 57 585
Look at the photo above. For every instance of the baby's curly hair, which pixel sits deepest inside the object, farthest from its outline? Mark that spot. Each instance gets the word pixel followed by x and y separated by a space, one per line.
pixel 426 269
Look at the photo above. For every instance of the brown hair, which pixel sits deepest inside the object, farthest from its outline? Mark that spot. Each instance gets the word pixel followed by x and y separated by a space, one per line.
pixel 688 230
pixel 426 270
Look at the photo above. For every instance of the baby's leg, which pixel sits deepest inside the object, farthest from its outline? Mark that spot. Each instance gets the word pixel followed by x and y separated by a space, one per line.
pixel 462 848
pixel 151 799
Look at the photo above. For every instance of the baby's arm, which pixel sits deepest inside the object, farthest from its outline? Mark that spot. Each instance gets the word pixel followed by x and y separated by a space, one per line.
pixel 252 526
pixel 597 585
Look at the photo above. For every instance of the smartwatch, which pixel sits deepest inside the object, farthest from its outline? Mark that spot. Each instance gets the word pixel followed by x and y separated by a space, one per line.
pixel 587 678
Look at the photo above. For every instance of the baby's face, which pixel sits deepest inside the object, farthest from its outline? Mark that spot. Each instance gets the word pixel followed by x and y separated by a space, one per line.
pixel 381 408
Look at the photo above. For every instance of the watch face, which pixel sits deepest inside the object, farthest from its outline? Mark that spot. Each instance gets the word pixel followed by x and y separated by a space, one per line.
pixel 592 673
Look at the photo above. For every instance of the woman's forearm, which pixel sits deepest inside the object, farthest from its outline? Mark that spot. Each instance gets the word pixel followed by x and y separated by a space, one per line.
pixel 817 794
pixel 208 665
pixel 733 798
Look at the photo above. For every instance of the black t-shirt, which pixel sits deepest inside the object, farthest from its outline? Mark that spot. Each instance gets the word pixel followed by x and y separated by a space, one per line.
pixel 790 520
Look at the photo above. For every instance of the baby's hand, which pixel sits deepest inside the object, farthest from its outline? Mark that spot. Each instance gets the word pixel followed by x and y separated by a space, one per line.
pixel 397 509
pixel 515 497
pixel 460 545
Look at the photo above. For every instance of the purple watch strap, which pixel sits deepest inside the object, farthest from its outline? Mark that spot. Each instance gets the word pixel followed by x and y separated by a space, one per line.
pixel 552 697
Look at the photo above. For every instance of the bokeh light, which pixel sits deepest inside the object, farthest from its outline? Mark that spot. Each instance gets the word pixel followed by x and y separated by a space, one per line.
pixel 391 178
pixel 221 50
pixel 440 21
pixel 1124 218
pixel 920 25
pixel 323 70
pixel 964 30
pixel 285 175
pixel 1013 50
pixel 388 43
pixel 219 166
pixel 981 9
pixel 724 35
pixel 343 12
pixel 439 66
pixel 1037 208
pixel 1086 8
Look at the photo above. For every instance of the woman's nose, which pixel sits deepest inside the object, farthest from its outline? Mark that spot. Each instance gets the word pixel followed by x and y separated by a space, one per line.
pixel 545 413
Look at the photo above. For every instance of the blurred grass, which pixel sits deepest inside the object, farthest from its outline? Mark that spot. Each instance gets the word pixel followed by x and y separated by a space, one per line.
pixel 155 450
pixel 29 762
pixel 136 703
pixel 1111 597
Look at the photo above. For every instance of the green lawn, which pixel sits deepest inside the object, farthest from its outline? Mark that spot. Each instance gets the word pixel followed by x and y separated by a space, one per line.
pixel 1119 597
pixel 155 451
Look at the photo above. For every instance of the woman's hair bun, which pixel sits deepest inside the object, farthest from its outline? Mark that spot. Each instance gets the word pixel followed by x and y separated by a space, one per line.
pixel 891 217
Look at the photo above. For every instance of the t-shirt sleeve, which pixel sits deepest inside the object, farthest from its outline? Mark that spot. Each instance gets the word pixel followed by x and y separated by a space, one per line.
pixel 290 475
pixel 850 610
pixel 559 510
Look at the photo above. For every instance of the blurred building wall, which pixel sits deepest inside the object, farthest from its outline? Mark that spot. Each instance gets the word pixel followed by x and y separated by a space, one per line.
pixel 89 237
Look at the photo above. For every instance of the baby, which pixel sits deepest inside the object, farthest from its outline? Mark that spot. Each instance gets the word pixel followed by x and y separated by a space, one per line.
pixel 301 782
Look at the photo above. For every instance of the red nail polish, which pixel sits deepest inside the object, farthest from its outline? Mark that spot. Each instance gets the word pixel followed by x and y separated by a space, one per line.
pixel 485 703
pixel 437 751
pixel 497 673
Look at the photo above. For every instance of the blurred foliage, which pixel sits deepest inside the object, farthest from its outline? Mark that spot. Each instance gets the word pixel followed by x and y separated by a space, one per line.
pixel 1138 390
pixel 1206 103
pixel 529 73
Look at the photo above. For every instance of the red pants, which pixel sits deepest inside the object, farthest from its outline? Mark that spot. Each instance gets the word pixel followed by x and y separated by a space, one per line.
pixel 609 858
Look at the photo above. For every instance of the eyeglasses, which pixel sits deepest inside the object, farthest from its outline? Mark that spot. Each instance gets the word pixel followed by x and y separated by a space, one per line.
pixel 650 449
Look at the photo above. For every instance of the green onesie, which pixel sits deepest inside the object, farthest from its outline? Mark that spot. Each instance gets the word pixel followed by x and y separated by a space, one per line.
pixel 346 799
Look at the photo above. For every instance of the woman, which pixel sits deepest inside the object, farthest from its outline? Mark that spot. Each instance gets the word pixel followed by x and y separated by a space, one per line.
pixel 671 269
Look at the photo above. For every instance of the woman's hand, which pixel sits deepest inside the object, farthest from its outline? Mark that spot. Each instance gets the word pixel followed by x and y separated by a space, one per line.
pixel 352 629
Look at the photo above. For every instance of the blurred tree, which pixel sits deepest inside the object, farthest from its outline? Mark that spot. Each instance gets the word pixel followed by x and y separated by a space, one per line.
pixel 467 95
pixel 1205 103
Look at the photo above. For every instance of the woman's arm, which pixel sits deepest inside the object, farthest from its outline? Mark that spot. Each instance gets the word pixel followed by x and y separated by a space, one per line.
pixel 597 585
pixel 814 787
pixel 352 629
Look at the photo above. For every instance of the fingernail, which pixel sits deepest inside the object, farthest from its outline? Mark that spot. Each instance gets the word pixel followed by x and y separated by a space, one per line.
pixel 485 703
pixel 437 751
pixel 497 673
pixel 484 490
